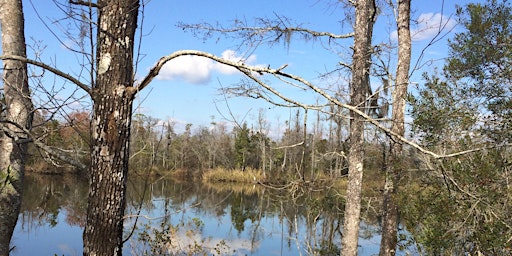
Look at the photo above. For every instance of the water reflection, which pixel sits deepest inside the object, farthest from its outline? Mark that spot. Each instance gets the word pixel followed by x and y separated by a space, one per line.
pixel 169 217
pixel 52 216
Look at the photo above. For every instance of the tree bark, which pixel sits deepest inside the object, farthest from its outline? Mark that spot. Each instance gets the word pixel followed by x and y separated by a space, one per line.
pixel 361 60
pixel 113 96
pixel 16 112
pixel 394 166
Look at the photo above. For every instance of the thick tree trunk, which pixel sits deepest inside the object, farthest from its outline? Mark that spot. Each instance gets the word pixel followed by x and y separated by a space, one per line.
pixel 113 97
pixel 18 110
pixel 394 165
pixel 361 59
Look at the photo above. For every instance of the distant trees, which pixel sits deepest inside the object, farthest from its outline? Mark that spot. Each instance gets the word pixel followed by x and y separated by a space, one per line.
pixel 69 135
pixel 243 147
pixel 158 146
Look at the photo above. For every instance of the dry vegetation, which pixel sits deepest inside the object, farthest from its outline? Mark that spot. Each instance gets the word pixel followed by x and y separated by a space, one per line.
pixel 222 175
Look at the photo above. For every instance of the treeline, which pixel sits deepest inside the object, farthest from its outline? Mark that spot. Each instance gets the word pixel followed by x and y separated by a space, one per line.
pixel 299 152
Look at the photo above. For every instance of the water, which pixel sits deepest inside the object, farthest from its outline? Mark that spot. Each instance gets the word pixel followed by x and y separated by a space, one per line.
pixel 182 217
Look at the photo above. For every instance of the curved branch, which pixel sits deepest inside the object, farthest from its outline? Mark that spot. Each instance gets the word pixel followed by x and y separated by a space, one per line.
pixel 249 71
pixel 155 70
pixel 49 68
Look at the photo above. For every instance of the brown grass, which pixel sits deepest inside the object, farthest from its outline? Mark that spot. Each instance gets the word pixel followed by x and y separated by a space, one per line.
pixel 223 175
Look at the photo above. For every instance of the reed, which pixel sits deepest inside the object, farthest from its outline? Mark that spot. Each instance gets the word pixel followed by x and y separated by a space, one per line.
pixel 224 175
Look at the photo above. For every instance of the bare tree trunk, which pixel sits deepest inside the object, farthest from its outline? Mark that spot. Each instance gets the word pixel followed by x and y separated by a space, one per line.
pixel 113 97
pixel 18 111
pixel 394 165
pixel 365 15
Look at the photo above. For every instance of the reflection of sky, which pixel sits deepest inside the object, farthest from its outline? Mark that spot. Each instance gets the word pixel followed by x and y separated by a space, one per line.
pixel 62 239
pixel 273 235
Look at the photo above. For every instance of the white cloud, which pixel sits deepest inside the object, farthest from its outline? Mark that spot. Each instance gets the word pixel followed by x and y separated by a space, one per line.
pixel 428 25
pixel 192 69
pixel 187 242
pixel 198 70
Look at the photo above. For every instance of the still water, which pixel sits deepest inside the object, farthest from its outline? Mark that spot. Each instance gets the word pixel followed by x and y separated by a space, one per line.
pixel 168 217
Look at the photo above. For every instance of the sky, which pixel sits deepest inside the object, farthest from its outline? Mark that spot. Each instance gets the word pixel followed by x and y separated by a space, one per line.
pixel 187 89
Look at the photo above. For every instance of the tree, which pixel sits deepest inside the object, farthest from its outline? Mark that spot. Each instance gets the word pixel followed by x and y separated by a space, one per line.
pixel 361 60
pixel 479 62
pixel 466 110
pixel 394 165
pixel 242 147
pixel 16 116
pixel 112 96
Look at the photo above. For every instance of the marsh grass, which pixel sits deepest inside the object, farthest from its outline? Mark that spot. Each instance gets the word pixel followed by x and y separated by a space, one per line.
pixel 223 175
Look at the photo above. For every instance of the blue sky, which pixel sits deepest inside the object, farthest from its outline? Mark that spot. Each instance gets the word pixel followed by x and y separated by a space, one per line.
pixel 187 91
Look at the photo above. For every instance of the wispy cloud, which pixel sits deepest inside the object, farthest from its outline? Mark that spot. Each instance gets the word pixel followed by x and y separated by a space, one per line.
pixel 198 70
pixel 428 25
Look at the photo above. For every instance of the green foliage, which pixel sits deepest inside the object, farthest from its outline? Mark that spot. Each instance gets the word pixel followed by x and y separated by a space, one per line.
pixel 181 239
pixel 461 206
pixel 466 209
pixel 480 63
pixel 439 112
pixel 242 144
pixel 483 52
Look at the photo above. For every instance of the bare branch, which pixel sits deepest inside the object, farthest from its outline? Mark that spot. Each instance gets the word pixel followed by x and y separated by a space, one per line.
pixel 49 68
pixel 84 3
pixel 30 137
pixel 290 146
pixel 249 71
pixel 266 31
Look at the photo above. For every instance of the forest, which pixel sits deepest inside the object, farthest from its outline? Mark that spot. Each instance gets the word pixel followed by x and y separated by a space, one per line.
pixel 436 153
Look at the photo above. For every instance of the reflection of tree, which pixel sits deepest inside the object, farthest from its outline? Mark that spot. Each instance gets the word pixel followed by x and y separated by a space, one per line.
pixel 311 221
pixel 44 198
pixel 243 208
